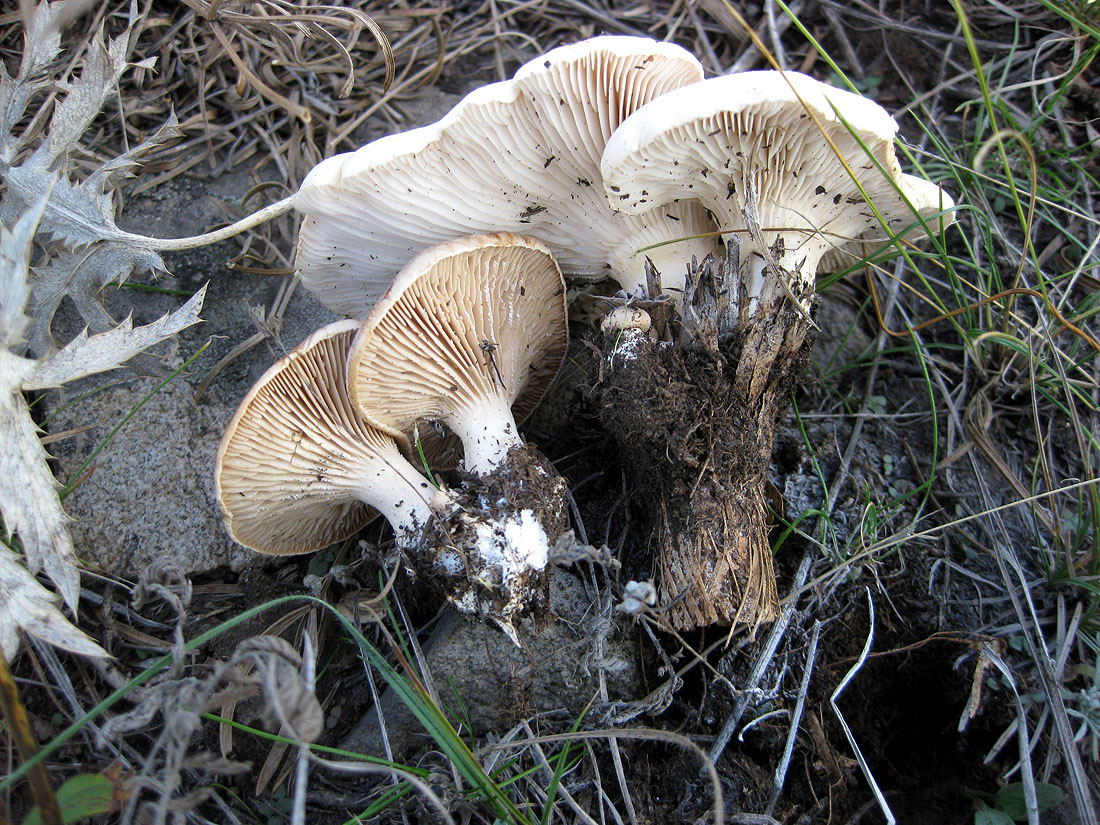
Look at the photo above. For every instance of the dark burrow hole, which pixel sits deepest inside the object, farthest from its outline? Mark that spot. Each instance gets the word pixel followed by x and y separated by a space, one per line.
pixel 903 707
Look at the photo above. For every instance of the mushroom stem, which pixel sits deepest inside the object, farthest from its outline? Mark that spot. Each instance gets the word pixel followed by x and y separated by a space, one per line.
pixel 298 468
pixel 695 425
pixel 401 494
pixel 488 432
pixel 492 547
pixel 698 455
pixel 715 554
pixel 269 212
pixel 469 331
pixel 764 268
pixel 669 253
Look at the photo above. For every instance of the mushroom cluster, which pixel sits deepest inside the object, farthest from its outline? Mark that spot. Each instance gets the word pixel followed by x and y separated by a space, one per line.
pixel 624 162
pixel 470 334
pixel 791 170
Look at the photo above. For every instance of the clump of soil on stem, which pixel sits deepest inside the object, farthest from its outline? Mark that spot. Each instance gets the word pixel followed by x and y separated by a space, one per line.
pixel 476 553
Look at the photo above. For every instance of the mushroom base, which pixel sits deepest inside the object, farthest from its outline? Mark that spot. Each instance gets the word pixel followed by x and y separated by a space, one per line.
pixel 695 427
pixel 491 554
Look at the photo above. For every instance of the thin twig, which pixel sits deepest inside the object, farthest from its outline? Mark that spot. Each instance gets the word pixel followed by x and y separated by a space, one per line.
pixel 796 718
pixel 760 666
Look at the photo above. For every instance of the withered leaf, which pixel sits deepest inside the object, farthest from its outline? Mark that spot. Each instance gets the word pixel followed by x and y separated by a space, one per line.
pixel 78 214
pixel 28 491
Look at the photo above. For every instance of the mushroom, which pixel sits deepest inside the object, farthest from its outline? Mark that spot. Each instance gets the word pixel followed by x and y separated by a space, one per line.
pixel 468 331
pixel 298 468
pixel 626 326
pixel 752 147
pixel 626 317
pixel 471 333
pixel 696 422
pixel 522 156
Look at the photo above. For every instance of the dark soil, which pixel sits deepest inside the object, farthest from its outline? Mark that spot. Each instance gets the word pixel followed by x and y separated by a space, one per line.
pixel 695 417
pixel 698 453
pixel 903 707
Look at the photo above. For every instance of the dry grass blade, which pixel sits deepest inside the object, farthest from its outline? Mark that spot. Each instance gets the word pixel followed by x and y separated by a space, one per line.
pixel 796 718
pixel 422 787
pixel 277 29
pixel 640 734
pixel 19 726
pixel 880 799
pixel 761 665
pixel 548 774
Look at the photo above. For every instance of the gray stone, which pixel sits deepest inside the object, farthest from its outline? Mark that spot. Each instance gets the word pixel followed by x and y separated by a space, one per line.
pixel 150 493
pixel 491 684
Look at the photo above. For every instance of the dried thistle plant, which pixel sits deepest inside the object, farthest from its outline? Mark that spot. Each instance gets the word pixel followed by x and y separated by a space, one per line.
pixel 28 491
pixel 89 250
pixel 86 251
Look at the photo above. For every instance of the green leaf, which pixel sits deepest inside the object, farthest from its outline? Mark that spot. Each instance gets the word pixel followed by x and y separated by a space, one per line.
pixel 990 816
pixel 1010 798
pixel 84 795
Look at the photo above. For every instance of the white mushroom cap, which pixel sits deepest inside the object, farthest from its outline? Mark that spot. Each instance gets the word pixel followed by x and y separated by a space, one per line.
pixel 520 156
pixel 298 468
pixel 468 331
pixel 748 137
pixel 626 317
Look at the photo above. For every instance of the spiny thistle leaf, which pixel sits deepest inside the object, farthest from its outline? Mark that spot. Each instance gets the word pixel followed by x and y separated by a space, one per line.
pixel 81 276
pixel 28 491
pixel 26 605
pixel 86 356
pixel 78 214
pixel 123 166
pixel 99 73
pixel 14 287
pixel 42 45
pixel 43 40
